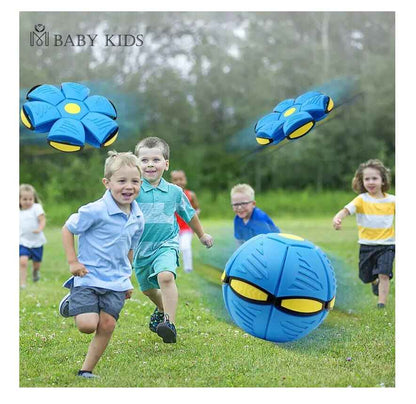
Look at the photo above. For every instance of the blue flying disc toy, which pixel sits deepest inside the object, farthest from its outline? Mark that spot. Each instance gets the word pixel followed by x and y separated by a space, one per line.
pixel 70 116
pixel 292 119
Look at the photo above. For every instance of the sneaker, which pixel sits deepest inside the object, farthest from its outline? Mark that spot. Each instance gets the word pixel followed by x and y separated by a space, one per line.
pixel 188 270
pixel 87 374
pixel 36 276
pixel 155 319
pixel 374 288
pixel 166 330
pixel 64 306
pixel 381 305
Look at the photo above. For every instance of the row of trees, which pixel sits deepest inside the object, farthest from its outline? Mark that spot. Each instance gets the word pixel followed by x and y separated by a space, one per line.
pixel 200 79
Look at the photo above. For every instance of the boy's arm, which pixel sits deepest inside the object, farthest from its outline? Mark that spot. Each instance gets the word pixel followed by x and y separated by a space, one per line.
pixel 195 203
pixel 196 226
pixel 130 257
pixel 337 220
pixel 75 267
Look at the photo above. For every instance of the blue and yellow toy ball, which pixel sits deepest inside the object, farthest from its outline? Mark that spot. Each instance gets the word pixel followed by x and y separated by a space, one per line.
pixel 278 287
pixel 71 116
pixel 292 119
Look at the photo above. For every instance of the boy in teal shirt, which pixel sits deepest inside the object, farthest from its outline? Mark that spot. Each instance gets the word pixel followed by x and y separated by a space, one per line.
pixel 157 254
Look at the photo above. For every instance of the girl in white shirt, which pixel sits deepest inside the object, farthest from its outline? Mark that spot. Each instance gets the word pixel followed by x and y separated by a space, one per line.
pixel 31 239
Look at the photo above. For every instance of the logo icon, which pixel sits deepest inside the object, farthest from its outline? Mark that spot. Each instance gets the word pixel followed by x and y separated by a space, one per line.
pixel 39 36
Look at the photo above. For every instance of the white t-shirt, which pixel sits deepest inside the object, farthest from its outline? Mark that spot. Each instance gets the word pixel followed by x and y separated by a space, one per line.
pixel 28 222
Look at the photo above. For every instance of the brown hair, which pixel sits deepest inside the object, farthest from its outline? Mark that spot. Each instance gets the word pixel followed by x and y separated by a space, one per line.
pixel 151 142
pixel 357 182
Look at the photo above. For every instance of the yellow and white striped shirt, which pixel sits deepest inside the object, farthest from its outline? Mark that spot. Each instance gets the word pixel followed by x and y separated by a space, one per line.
pixel 375 218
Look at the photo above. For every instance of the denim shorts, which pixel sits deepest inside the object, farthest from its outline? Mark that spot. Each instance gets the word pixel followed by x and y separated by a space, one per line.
pixel 93 300
pixel 35 254
pixel 165 259
pixel 375 260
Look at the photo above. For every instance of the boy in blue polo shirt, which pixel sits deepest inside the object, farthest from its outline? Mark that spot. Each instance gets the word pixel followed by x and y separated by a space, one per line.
pixel 249 220
pixel 109 229
pixel 157 255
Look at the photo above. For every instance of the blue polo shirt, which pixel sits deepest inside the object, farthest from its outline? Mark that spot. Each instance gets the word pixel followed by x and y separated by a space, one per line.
pixel 259 223
pixel 159 205
pixel 106 234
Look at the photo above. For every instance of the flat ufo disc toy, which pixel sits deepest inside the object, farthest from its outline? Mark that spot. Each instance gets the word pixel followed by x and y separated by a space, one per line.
pixel 70 116
pixel 293 118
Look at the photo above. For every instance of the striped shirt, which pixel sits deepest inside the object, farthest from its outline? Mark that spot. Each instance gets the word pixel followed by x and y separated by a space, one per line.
pixel 159 205
pixel 375 218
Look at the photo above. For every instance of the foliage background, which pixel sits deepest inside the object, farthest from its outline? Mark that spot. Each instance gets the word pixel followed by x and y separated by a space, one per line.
pixel 201 78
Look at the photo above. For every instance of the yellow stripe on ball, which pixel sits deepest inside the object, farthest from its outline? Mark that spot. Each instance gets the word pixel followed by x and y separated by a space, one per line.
pixel 25 119
pixel 249 291
pixel 291 236
pixel 263 141
pixel 68 148
pixel 303 130
pixel 302 305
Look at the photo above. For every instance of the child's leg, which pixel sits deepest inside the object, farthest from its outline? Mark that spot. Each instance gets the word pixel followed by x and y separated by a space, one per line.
pixel 156 297
pixel 36 268
pixel 23 261
pixel 169 293
pixel 103 325
pixel 383 288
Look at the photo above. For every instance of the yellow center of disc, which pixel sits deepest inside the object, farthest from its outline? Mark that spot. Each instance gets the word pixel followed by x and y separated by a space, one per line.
pixel 290 111
pixel 72 108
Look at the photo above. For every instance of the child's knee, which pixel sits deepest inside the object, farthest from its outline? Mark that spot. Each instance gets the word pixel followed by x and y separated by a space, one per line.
pixel 86 328
pixel 107 322
pixel 165 278
pixel 86 323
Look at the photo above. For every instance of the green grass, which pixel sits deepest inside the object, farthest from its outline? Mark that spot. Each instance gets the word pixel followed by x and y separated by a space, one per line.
pixel 355 346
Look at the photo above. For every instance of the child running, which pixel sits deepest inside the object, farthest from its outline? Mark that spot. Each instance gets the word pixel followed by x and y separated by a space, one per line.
pixel 375 210
pixel 157 255
pixel 31 238
pixel 108 229
pixel 178 178
pixel 249 220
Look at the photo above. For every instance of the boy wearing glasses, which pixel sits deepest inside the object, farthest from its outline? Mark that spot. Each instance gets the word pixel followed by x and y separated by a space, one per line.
pixel 249 220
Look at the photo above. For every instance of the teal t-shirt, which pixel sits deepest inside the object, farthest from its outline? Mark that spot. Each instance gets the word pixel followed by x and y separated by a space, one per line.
pixel 159 205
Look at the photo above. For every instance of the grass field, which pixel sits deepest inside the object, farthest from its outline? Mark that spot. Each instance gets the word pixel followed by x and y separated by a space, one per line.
pixel 355 346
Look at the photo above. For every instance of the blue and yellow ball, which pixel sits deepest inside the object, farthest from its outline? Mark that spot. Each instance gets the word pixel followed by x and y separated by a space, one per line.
pixel 278 287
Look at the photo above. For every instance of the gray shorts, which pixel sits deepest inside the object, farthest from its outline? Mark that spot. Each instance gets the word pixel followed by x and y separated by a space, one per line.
pixel 93 300
pixel 375 260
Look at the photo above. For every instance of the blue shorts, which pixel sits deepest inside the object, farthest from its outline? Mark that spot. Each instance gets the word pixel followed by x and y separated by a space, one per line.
pixel 93 300
pixel 147 269
pixel 34 254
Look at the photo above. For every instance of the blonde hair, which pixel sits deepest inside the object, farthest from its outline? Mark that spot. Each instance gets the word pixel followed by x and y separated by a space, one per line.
pixel 116 160
pixel 243 189
pixel 28 188
pixel 357 182
pixel 153 142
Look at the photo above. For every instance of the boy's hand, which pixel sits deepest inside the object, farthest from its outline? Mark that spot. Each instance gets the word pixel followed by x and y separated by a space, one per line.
pixel 129 293
pixel 336 222
pixel 77 269
pixel 207 240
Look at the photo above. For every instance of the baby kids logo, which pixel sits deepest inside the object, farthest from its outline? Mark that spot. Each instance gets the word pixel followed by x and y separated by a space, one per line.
pixel 40 37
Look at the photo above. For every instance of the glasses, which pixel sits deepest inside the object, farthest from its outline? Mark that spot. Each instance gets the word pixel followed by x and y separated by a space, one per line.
pixel 299 306
pixel 240 204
